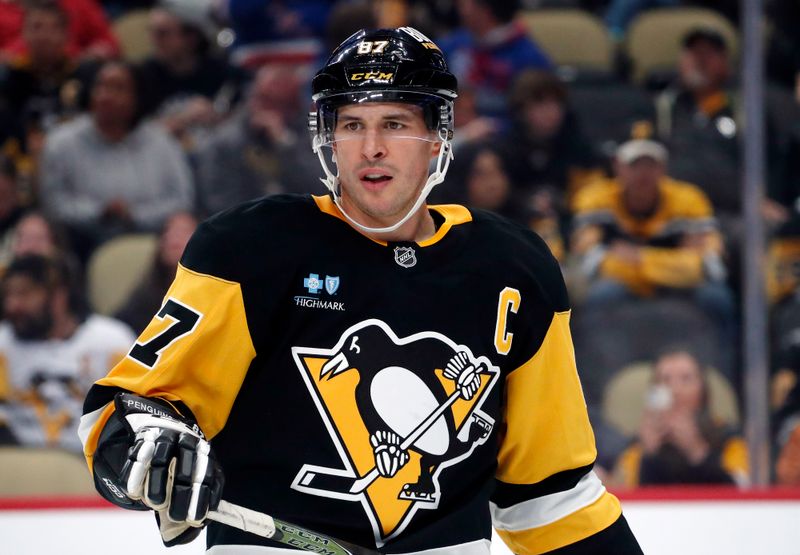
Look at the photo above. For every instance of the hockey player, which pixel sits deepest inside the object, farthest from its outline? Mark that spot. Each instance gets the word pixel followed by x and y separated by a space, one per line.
pixel 394 374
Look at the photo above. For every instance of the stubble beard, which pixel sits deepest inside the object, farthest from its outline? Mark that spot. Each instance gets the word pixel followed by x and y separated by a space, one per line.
pixel 381 212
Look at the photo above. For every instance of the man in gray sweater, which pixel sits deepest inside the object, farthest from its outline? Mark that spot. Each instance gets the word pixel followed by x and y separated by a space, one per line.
pixel 107 172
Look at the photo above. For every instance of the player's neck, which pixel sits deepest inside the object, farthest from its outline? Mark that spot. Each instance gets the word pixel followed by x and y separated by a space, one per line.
pixel 418 228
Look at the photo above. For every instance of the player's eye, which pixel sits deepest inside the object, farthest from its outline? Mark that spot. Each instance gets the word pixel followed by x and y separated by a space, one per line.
pixel 352 126
pixel 394 125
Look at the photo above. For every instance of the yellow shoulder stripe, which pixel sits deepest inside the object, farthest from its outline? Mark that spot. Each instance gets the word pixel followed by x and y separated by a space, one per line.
pixel 203 368
pixel 547 426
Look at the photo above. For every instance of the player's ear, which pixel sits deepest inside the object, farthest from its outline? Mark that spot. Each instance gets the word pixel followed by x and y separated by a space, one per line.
pixel 436 149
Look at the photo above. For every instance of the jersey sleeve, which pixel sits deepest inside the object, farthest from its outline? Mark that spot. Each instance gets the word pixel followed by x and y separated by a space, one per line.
pixel 195 353
pixel 547 497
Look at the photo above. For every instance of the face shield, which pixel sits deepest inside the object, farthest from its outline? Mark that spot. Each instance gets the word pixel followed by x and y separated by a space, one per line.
pixel 328 129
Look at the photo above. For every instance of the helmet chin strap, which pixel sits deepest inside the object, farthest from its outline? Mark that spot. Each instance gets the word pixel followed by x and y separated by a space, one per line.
pixel 331 181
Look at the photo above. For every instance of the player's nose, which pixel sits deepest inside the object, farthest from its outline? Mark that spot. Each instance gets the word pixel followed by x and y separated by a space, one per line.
pixel 373 146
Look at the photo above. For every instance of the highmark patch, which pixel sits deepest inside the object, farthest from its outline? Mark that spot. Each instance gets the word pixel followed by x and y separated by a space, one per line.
pixel 315 302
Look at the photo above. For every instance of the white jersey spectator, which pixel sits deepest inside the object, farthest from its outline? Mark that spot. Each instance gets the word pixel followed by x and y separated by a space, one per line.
pixel 50 353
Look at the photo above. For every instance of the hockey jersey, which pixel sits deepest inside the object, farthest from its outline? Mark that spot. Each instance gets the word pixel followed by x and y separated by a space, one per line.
pixel 295 340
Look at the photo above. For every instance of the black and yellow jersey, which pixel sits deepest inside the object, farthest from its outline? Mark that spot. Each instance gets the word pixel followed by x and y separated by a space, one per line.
pixel 293 339
pixel 680 243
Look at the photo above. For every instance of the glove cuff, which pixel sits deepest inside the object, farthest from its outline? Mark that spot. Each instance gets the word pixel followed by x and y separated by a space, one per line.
pixel 140 412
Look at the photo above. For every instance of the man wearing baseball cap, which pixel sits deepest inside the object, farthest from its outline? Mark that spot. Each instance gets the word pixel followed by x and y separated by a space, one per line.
pixel 644 234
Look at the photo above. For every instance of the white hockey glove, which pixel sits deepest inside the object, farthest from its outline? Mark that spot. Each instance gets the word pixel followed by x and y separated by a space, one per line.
pixel 389 458
pixel 464 374
pixel 168 466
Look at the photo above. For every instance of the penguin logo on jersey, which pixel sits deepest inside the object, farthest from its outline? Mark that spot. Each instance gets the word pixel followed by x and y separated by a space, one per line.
pixel 400 411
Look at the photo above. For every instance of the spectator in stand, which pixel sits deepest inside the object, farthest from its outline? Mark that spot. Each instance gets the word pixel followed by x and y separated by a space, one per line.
pixel 783 263
pixel 679 441
pixel 10 209
pixel 88 34
pixel 783 293
pixel 43 86
pixel 787 441
pixel 37 234
pixel 52 349
pixel 786 401
pixel 262 149
pixel 481 178
pixel 488 52
pixel 554 159
pixel 149 296
pixel 110 172
pixel 698 120
pixel 190 87
pixel 642 234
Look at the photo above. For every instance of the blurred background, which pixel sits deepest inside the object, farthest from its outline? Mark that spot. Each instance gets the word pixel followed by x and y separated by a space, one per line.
pixel 654 144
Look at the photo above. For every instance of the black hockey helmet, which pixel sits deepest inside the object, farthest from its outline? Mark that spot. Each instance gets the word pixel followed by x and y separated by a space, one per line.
pixel 401 59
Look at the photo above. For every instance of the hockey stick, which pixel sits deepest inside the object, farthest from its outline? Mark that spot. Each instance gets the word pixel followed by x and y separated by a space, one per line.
pixel 355 486
pixel 269 527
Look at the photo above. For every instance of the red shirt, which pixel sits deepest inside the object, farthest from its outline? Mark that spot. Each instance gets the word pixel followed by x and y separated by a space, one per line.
pixel 88 27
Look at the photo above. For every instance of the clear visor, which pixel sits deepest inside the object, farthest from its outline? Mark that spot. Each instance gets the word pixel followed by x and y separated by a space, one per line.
pixel 416 116
pixel 337 119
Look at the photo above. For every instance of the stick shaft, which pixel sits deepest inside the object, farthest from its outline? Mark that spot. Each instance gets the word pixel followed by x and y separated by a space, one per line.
pixel 265 526
pixel 243 519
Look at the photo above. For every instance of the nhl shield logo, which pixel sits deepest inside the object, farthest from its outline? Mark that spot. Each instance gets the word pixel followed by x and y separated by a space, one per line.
pixel 331 284
pixel 405 256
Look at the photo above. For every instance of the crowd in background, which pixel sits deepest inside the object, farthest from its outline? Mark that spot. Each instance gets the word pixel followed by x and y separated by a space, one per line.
pixel 129 117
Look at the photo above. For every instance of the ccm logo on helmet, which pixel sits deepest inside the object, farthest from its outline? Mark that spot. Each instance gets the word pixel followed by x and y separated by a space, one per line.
pixel 372 76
